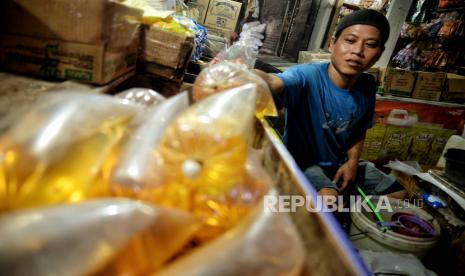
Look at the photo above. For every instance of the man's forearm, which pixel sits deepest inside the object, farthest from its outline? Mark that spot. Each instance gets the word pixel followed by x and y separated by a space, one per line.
pixel 355 151
pixel 274 83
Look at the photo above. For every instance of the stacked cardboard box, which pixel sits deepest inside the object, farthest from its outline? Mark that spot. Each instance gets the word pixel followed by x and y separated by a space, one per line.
pixel 429 86
pixel 454 88
pixel 201 6
pixel 222 17
pixel 87 40
pixel 165 54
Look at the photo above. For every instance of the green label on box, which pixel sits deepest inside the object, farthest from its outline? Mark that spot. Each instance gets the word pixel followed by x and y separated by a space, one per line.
pixel 78 75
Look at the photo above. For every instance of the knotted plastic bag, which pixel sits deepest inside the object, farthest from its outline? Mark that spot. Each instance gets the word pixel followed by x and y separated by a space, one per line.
pixel 143 96
pixel 137 165
pixel 106 236
pixel 55 152
pixel 223 76
pixel 261 244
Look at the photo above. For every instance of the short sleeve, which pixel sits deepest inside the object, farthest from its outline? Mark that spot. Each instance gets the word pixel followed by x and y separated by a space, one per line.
pixel 293 81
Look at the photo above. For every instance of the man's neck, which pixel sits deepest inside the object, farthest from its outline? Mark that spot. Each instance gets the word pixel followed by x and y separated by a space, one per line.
pixel 340 80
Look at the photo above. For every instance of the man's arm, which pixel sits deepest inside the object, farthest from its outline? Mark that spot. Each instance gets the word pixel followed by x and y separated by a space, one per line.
pixel 275 83
pixel 348 171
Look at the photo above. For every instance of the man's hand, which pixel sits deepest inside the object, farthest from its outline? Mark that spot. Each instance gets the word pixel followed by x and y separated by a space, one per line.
pixel 275 84
pixel 348 172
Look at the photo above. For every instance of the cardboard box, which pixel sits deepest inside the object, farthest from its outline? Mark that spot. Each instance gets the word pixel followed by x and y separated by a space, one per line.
pixel 96 64
pixel 201 6
pixel 313 56
pixel 222 17
pixel 82 21
pixel 454 88
pixel 398 82
pixel 429 86
pixel 169 49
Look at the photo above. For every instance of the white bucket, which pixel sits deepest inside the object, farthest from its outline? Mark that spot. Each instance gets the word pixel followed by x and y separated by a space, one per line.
pixel 366 234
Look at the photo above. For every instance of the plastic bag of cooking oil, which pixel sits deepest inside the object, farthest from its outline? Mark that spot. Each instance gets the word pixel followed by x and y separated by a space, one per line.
pixel 106 236
pixel 264 243
pixel 221 213
pixel 143 96
pixel 223 76
pixel 137 166
pixel 55 152
pixel 203 155
pixel 205 149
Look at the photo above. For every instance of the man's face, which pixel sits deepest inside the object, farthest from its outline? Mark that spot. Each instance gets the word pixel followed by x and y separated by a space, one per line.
pixel 356 49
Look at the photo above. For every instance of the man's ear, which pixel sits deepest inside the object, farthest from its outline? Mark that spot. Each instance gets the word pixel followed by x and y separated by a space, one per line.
pixel 381 51
pixel 331 44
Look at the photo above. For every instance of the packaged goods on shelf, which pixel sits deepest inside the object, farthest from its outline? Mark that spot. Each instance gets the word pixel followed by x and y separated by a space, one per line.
pixel 429 86
pixel 398 82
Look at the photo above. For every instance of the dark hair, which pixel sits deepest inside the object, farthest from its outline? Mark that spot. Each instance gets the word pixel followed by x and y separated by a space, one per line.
pixel 365 17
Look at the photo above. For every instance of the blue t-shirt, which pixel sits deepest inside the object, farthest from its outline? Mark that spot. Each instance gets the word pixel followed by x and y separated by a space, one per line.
pixel 322 120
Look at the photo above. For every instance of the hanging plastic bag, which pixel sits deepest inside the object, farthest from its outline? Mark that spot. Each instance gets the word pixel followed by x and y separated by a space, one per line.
pixel 262 244
pixel 137 166
pixel 223 76
pixel 55 152
pixel 112 236
pixel 143 96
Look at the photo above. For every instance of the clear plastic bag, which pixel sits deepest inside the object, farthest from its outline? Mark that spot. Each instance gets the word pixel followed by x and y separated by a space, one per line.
pixel 261 244
pixel 239 54
pixel 223 76
pixel 54 153
pixel 107 236
pixel 203 156
pixel 136 165
pixel 206 147
pixel 245 50
pixel 143 96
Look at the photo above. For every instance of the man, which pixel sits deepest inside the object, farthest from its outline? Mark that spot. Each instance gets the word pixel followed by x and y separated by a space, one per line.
pixel 331 105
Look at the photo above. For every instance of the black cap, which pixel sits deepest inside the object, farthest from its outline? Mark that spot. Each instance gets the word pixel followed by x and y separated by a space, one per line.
pixel 365 17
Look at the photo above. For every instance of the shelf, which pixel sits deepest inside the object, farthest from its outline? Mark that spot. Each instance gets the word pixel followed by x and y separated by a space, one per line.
pixel 412 100
pixel 450 9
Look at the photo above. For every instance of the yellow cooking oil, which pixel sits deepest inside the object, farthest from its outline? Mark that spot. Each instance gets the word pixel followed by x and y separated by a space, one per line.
pixel 29 181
